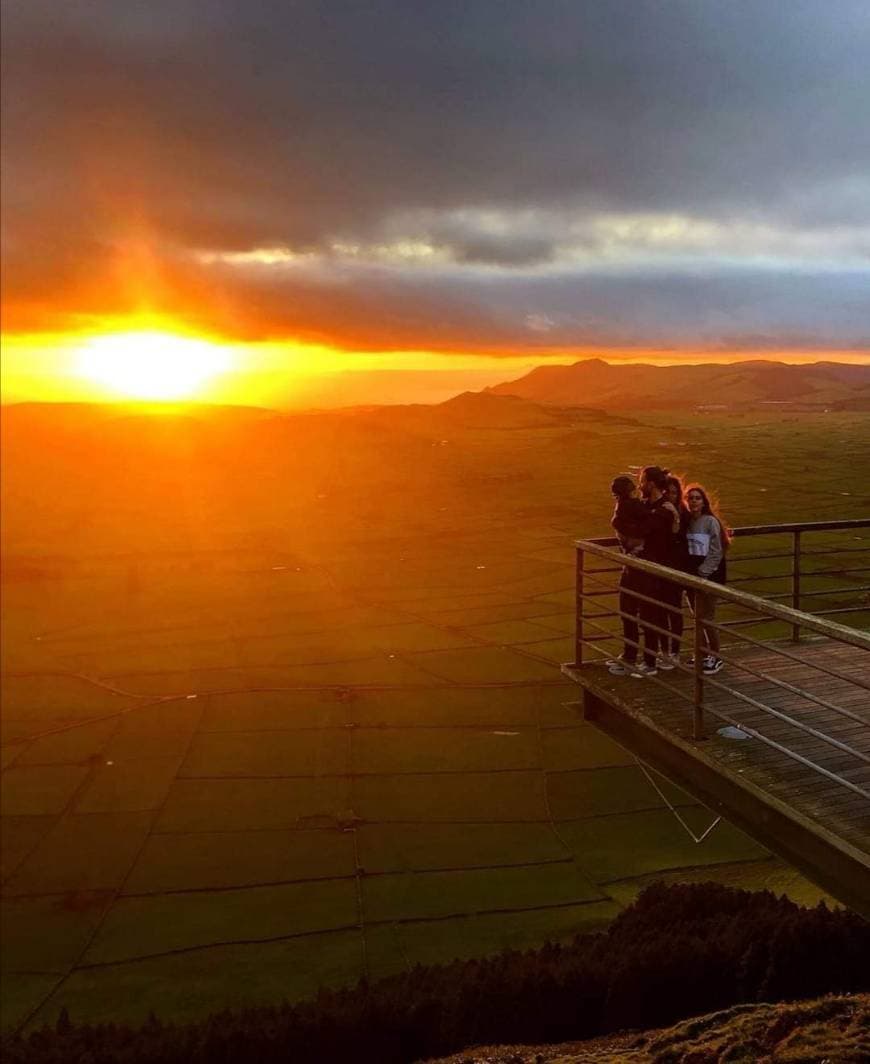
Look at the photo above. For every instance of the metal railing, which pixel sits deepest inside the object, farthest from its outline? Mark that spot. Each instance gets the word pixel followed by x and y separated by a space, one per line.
pixel 798 573
pixel 746 706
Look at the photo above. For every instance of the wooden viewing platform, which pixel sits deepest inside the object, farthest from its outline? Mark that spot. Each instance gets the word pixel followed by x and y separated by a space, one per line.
pixel 800 783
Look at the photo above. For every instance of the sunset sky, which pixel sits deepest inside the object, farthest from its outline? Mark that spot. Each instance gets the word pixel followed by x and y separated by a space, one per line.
pixel 437 195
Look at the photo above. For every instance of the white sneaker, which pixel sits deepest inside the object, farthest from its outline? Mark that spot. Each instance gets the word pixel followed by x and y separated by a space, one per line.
pixel 665 661
pixel 642 670
pixel 619 667
pixel 713 665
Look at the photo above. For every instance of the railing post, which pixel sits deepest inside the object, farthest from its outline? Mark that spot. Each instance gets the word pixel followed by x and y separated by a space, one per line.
pixel 796 583
pixel 578 626
pixel 698 713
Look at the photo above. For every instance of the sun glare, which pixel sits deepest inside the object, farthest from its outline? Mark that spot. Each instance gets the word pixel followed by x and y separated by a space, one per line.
pixel 151 364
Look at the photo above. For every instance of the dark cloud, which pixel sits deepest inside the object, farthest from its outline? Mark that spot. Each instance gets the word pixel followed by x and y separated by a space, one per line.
pixel 449 311
pixel 192 125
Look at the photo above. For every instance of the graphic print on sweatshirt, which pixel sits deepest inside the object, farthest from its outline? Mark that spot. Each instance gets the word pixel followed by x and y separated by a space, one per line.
pixel 699 544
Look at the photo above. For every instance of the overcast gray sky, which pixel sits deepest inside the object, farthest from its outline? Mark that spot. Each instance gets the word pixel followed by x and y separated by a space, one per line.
pixel 481 175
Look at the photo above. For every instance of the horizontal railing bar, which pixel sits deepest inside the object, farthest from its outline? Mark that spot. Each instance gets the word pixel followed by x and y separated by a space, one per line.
pixel 734 623
pixel 802 526
pixel 839 632
pixel 783 653
pixel 734 663
pixel 841 609
pixel 782 749
pixel 735 558
pixel 747 728
pixel 645 625
pixel 749 577
pixel 636 595
pixel 837 550
pixel 834 591
pixel 688 629
pixel 738 557
pixel 741 622
pixel 835 572
pixel 758 577
pixel 815 594
pixel 763 676
pixel 748 622
pixel 763 530
pixel 755 577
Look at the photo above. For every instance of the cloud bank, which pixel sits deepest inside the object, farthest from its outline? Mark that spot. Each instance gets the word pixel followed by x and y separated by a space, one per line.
pixel 488 176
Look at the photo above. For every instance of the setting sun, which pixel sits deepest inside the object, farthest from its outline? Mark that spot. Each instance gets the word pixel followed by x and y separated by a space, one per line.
pixel 151 364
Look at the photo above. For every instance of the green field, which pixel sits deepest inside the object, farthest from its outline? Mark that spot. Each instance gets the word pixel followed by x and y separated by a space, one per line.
pixel 290 722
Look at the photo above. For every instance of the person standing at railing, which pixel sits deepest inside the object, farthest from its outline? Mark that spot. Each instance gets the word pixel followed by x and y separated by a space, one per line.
pixel 659 546
pixel 647 530
pixel 707 539
pixel 630 522
pixel 672 592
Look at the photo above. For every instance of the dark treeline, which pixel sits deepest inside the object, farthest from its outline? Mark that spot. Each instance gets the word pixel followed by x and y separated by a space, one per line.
pixel 678 951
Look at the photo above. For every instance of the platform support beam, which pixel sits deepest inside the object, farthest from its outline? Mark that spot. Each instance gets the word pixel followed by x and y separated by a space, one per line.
pixel 836 867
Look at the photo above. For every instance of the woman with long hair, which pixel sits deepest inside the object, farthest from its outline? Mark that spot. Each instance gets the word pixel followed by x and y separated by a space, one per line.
pixel 707 540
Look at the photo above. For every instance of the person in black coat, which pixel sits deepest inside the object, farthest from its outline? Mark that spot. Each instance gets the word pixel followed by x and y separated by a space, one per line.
pixel 641 530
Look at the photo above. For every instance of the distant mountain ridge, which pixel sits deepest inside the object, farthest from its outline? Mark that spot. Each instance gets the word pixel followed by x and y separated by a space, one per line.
pixel 614 386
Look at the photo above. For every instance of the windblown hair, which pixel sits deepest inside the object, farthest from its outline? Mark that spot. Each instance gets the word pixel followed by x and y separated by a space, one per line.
pixel 656 475
pixel 676 482
pixel 711 508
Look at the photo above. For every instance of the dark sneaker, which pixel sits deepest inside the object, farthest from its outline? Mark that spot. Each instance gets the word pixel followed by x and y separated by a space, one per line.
pixel 713 665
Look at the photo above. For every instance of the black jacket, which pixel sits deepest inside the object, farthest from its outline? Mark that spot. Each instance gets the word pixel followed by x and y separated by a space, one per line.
pixel 630 519
pixel 660 542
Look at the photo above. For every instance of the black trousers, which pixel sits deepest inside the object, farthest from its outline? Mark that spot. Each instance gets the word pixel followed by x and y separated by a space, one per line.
pixel 671 595
pixel 636 611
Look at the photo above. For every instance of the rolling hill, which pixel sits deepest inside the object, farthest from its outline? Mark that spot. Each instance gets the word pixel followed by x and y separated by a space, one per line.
pixel 596 383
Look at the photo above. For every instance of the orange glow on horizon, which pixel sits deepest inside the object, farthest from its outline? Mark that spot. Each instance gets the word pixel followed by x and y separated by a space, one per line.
pixel 151 364
pixel 151 358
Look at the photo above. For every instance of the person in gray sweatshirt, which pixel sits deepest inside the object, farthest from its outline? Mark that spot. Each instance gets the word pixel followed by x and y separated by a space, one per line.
pixel 707 541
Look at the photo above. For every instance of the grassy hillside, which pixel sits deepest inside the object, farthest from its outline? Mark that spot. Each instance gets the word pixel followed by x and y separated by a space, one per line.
pixel 282 704
pixel 676 952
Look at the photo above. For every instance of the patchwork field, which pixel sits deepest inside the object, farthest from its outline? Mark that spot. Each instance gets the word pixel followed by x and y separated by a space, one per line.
pixel 282 704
